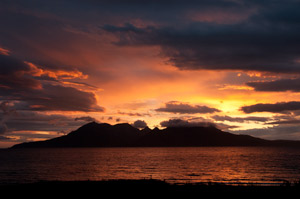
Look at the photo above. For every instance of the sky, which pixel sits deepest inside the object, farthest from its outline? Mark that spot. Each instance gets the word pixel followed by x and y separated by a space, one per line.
pixel 233 64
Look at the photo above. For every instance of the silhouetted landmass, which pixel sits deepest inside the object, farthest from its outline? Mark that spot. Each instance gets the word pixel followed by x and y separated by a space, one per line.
pixel 124 135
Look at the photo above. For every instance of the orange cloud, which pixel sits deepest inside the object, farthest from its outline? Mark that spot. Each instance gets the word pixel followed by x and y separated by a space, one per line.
pixel 235 87
pixel 55 74
pixel 4 51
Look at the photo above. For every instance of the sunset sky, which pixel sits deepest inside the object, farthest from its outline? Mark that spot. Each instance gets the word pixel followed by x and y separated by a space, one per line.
pixel 234 64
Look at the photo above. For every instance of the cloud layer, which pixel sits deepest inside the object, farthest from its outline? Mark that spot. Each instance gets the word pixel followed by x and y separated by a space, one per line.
pixel 184 123
pixel 267 40
pixel 140 124
pixel 273 108
pixel 185 108
pixel 280 85
pixel 33 88
pixel 240 119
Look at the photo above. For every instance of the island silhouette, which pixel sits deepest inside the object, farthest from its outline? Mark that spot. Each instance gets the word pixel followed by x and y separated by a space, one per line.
pixel 125 135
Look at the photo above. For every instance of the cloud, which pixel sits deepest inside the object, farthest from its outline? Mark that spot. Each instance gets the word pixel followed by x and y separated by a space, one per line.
pixel 30 27
pixel 286 122
pixel 7 108
pixel 140 124
pixel 286 119
pixel 178 122
pixel 14 75
pixel 115 10
pixel 185 108
pixel 39 121
pixel 7 112
pixel 3 128
pixel 216 35
pixel 218 47
pixel 86 118
pixel 134 114
pixel 4 51
pixel 184 123
pixel 56 97
pixel 4 138
pixel 130 114
pixel 54 74
pixel 273 108
pixel 282 132
pixel 267 40
pixel 277 85
pixel 239 119
pixel 21 81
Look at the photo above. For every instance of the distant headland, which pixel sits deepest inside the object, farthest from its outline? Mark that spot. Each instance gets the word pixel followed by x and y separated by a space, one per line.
pixel 124 135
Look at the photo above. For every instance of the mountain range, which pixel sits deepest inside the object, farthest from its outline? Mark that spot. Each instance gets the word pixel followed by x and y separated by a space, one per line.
pixel 124 135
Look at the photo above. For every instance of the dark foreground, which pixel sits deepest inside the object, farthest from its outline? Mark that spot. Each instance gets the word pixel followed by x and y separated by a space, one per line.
pixel 144 188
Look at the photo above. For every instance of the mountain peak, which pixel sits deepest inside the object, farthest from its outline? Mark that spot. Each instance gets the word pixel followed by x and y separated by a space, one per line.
pixel 124 125
pixel 93 125
pixel 146 130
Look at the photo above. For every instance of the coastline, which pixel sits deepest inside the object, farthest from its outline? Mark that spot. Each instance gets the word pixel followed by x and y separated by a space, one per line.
pixel 148 187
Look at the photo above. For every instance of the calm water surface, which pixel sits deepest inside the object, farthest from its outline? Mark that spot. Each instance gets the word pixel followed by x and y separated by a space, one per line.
pixel 199 164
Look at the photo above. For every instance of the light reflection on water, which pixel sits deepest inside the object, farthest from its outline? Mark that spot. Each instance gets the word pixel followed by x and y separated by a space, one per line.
pixel 199 164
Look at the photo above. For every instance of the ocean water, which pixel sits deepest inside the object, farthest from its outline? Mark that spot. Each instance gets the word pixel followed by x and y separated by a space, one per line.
pixel 179 165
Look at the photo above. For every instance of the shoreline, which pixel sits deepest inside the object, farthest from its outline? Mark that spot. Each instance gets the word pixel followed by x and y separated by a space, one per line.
pixel 149 186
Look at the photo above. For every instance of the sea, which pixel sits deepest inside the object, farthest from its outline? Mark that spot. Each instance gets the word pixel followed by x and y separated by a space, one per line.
pixel 229 165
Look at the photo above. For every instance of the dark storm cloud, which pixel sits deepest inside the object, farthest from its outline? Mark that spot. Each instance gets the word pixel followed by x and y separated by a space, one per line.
pixel 273 108
pixel 222 47
pixel 57 97
pixel 25 35
pixel 9 65
pixel 239 119
pixel 7 112
pixel 277 85
pixel 178 122
pixel 54 98
pixel 13 74
pixel 17 82
pixel 281 132
pixel 27 126
pixel 3 128
pixel 134 114
pixel 184 108
pixel 140 124
pixel 266 41
pixel 4 138
pixel 192 34
pixel 286 122
pixel 42 36
pixel 156 10
pixel 85 118
pixel 37 121
pixel 184 123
